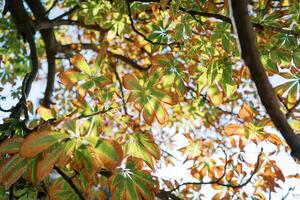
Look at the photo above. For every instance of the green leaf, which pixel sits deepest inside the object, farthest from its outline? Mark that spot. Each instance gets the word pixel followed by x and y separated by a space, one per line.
pixel 133 182
pixel 142 145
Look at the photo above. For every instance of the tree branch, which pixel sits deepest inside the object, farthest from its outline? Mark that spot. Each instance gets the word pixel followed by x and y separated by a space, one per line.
pixel 218 180
pixel 68 47
pixel 25 28
pixel 52 6
pixel 251 57
pixel 121 89
pixel 70 182
pixel 50 44
pixel 66 13
pixel 45 24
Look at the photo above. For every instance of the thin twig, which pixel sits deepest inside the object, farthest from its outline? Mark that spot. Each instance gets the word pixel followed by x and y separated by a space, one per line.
pixel 66 13
pixel 52 6
pixel 122 91
pixel 218 180
pixel 287 194
pixel 93 114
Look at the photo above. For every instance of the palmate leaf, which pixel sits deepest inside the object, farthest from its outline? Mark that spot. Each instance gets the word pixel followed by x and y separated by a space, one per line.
pixel 10 145
pixel 291 88
pixel 148 98
pixel 142 145
pixel 39 141
pixel 173 72
pixel 132 183
pixel 107 151
pixel 12 170
pixel 83 77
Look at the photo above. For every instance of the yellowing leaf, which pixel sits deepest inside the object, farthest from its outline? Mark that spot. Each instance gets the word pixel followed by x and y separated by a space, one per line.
pixel 148 97
pixel 79 62
pixel 45 166
pixel 109 152
pixel 12 170
pixel 142 145
pixel 131 82
pixel 215 95
pixel 246 112
pixel 45 113
pixel 10 145
pixel 274 139
pixel 39 141
pixel 233 129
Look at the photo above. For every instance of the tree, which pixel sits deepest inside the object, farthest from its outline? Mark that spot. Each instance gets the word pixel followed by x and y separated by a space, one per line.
pixel 122 75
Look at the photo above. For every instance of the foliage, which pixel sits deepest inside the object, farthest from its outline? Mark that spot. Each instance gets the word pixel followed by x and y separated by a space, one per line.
pixel 130 77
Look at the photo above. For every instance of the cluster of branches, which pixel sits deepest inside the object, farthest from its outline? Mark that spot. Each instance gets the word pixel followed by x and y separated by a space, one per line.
pixel 27 27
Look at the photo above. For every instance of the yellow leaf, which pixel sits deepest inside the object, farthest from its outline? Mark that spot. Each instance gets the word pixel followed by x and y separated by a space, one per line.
pixel 45 113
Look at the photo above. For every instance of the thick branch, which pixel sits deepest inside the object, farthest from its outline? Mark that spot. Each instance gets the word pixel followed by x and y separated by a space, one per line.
pixel 129 61
pixel 45 24
pixel 25 28
pixel 251 57
pixel 50 43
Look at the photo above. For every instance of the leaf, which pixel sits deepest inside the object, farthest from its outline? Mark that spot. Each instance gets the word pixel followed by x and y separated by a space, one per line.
pixel 132 182
pixel 39 141
pixel 142 145
pixel 246 113
pixel 148 98
pixel 274 139
pixel 61 190
pixel 215 95
pixel 79 62
pixel 12 170
pixel 233 129
pixel 108 151
pixel 10 145
pixel 131 82
pixel 45 166
pixel 45 113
